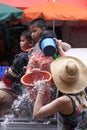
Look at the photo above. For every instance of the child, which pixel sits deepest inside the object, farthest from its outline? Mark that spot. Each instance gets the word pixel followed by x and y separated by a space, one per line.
pixel 70 77
pixel 38 58
pixel 36 27
pixel 10 84
pixel 21 59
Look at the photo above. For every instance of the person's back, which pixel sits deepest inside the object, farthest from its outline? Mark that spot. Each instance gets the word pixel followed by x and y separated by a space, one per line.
pixel 70 77
pixel 79 104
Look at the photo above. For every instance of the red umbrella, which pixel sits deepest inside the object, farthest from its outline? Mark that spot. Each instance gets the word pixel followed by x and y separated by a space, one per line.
pixel 80 3
pixel 22 4
pixel 56 11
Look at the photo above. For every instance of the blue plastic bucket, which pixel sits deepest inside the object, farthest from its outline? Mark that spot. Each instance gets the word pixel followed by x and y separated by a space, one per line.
pixel 48 46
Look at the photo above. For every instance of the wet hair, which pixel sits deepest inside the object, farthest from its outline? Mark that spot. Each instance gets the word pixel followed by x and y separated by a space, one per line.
pixel 39 22
pixel 27 34
pixel 48 33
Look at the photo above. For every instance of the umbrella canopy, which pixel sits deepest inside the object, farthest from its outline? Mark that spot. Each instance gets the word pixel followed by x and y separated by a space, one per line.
pixel 8 12
pixel 22 4
pixel 55 11
pixel 79 3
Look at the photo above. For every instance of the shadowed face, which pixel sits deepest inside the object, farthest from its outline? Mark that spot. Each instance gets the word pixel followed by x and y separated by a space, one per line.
pixel 36 32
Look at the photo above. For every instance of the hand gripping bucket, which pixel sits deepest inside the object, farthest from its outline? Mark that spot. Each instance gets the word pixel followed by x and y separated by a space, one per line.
pixel 28 80
pixel 48 46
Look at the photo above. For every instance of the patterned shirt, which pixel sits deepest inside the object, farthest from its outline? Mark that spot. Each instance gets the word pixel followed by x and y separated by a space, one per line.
pixel 39 60
pixel 79 102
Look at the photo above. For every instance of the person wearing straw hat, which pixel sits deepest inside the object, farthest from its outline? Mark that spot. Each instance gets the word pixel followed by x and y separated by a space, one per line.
pixel 70 77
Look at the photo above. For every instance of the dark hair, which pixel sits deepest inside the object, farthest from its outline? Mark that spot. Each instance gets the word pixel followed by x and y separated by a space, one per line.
pixel 27 34
pixel 48 33
pixel 39 22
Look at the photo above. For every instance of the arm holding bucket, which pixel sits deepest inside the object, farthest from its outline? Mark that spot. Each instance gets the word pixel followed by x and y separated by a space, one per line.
pixel 65 46
pixel 60 50
pixel 58 105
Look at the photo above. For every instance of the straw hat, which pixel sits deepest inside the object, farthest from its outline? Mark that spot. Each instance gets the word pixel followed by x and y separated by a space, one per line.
pixel 69 74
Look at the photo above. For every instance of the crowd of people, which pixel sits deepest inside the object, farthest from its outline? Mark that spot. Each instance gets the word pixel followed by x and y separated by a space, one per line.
pixel 68 97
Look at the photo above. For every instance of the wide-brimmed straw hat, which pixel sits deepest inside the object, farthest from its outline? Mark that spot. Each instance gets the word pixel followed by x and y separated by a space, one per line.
pixel 69 74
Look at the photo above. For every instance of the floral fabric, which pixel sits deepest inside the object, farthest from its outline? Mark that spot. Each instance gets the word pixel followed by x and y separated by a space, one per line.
pixel 39 60
pixel 79 116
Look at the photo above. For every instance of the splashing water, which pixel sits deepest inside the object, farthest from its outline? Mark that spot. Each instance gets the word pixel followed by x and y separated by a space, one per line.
pixel 8 119
pixel 22 107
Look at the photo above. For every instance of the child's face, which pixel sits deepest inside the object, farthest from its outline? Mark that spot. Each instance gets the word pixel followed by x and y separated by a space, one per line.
pixel 25 43
pixel 35 32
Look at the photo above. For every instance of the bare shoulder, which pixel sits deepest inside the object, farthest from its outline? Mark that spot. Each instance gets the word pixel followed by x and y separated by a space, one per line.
pixel 65 105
